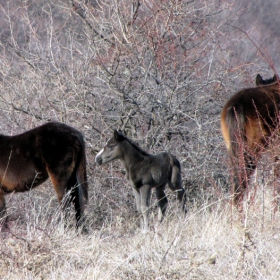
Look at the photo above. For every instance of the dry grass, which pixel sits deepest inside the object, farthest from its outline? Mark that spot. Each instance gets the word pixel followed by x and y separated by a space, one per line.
pixel 164 79
pixel 211 242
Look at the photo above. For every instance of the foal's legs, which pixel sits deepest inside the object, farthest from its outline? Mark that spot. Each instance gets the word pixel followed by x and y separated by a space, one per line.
pixel 145 194
pixel 162 201
pixel 142 198
pixel 137 196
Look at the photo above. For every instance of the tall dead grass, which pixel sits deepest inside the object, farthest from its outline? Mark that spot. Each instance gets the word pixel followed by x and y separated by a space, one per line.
pixel 212 241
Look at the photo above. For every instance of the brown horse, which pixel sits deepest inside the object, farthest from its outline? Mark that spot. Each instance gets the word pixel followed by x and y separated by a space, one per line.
pixel 248 121
pixel 261 82
pixel 52 150
pixel 145 171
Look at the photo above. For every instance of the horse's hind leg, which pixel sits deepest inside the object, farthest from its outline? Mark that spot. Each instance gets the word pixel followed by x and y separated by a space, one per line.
pixel 242 172
pixel 60 185
pixel 2 205
pixel 79 200
pixel 3 213
pixel 162 201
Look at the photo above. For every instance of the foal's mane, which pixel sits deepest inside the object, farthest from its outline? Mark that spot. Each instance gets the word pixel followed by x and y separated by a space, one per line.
pixel 135 146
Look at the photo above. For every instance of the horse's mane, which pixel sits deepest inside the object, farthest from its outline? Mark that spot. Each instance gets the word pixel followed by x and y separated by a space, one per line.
pixel 134 145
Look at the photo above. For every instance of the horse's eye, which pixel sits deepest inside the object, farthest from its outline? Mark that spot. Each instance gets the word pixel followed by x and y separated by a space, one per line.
pixel 110 146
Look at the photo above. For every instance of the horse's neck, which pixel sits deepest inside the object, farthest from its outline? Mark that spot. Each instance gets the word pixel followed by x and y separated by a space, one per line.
pixel 131 156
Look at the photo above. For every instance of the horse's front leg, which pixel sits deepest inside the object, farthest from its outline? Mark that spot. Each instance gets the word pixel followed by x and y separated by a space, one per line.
pixel 136 193
pixel 145 194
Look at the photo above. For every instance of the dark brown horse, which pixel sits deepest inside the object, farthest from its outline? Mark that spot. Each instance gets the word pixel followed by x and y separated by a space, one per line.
pixel 249 120
pixel 145 171
pixel 53 150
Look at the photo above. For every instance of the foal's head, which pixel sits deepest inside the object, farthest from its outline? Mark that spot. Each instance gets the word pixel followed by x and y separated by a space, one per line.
pixel 111 150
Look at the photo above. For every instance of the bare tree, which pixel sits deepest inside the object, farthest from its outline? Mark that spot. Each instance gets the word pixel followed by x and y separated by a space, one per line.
pixel 157 69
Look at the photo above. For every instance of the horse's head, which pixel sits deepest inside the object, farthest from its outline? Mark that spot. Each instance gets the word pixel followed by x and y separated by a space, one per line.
pixel 260 81
pixel 111 150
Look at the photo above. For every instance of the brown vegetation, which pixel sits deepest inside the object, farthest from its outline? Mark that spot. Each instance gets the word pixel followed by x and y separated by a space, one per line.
pixel 161 71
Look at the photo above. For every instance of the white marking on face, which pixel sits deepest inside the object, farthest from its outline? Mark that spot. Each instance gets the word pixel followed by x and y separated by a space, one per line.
pixel 99 154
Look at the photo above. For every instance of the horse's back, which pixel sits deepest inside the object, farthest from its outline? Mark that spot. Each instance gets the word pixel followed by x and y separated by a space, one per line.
pixel 255 101
pixel 25 159
pixel 57 138
pixel 170 165
pixel 53 133
pixel 56 133
pixel 168 159
pixel 155 170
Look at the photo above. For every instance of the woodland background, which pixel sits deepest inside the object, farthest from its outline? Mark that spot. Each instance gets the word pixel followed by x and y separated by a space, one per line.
pixel 161 71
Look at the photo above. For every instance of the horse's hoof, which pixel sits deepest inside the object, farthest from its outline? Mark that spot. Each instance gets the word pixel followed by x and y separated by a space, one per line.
pixel 84 231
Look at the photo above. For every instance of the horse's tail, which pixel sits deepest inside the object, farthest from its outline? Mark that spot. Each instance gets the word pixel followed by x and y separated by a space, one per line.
pixel 175 182
pixel 81 189
pixel 175 176
pixel 233 125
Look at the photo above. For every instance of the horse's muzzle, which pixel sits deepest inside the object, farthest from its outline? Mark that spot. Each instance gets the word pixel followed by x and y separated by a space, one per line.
pixel 98 160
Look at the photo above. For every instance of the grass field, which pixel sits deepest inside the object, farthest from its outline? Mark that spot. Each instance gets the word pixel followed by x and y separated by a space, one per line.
pixel 211 242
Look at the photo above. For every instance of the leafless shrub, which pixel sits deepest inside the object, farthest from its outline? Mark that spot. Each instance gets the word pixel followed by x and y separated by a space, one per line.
pixel 161 71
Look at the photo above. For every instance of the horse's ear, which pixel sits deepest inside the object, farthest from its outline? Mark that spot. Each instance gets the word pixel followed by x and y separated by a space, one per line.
pixel 259 80
pixel 274 78
pixel 116 135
